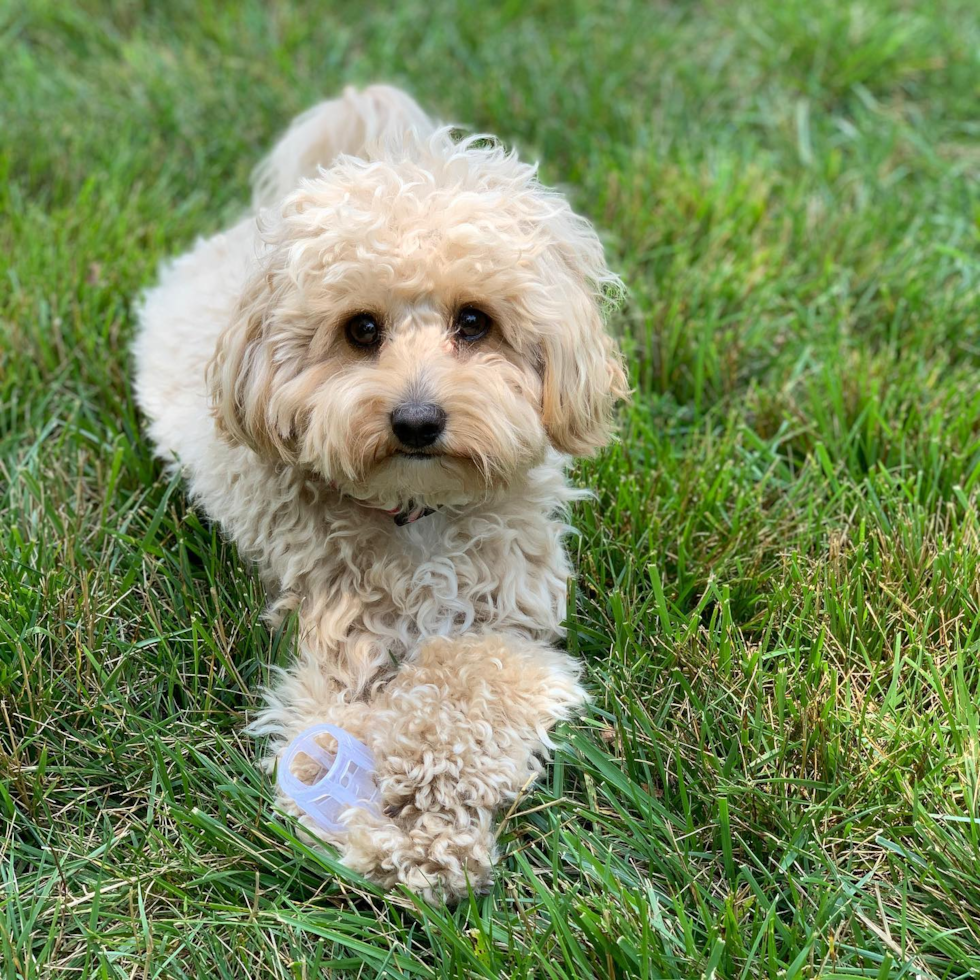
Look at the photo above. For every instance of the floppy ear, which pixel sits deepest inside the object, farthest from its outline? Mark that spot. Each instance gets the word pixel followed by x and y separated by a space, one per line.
pixel 583 374
pixel 246 379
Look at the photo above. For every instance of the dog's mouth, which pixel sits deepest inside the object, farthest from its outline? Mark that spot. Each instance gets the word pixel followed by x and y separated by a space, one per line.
pixel 442 476
pixel 416 454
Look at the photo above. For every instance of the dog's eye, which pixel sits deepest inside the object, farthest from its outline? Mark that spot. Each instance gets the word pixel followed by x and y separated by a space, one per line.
pixel 471 323
pixel 364 330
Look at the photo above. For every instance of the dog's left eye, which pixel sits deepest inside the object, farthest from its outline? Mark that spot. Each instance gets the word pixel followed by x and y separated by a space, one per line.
pixel 471 323
pixel 363 330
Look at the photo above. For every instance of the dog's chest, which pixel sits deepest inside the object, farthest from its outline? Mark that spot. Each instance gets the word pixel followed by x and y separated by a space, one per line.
pixel 444 577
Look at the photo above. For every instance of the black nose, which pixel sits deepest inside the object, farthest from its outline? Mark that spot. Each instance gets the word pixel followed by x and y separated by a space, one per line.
pixel 417 426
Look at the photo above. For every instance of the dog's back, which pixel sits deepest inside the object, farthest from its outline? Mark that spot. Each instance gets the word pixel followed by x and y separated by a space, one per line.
pixel 352 124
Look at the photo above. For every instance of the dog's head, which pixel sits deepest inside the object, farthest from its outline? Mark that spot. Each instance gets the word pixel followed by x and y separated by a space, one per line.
pixel 421 328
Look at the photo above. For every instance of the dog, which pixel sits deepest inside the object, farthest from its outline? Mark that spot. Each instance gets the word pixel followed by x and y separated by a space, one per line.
pixel 373 383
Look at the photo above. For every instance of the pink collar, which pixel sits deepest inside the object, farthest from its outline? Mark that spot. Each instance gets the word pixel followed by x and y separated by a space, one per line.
pixel 410 515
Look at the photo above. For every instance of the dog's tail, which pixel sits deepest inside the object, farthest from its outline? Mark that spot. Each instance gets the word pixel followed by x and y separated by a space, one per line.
pixel 351 124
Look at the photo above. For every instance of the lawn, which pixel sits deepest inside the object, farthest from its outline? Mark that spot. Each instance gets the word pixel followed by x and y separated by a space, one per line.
pixel 778 595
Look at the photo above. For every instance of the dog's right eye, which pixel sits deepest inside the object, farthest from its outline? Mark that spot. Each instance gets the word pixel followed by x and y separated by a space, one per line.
pixel 364 330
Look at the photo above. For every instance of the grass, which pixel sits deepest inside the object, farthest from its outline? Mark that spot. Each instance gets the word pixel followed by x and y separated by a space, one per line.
pixel 778 592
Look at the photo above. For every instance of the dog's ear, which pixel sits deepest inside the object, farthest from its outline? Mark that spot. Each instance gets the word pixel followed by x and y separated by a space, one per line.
pixel 245 379
pixel 582 368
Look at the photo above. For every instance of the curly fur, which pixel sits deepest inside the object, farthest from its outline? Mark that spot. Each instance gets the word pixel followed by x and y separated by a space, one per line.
pixel 432 642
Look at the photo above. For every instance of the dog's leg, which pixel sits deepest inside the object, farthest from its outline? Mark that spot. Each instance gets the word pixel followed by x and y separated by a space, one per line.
pixel 338 666
pixel 458 732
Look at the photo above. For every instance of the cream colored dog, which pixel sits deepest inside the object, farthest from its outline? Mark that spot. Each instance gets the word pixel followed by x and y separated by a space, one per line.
pixel 372 384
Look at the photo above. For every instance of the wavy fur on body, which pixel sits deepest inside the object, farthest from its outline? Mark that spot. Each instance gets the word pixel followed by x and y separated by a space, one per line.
pixel 431 642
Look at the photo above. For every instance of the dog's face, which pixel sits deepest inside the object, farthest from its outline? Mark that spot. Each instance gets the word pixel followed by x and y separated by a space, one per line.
pixel 422 329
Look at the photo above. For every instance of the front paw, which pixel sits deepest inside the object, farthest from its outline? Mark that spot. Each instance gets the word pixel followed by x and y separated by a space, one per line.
pixel 440 858
pixel 467 722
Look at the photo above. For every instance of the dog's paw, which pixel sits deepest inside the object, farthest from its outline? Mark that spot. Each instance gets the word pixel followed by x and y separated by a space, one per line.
pixel 439 858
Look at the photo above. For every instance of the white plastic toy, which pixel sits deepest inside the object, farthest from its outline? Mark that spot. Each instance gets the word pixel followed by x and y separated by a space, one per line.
pixel 346 778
